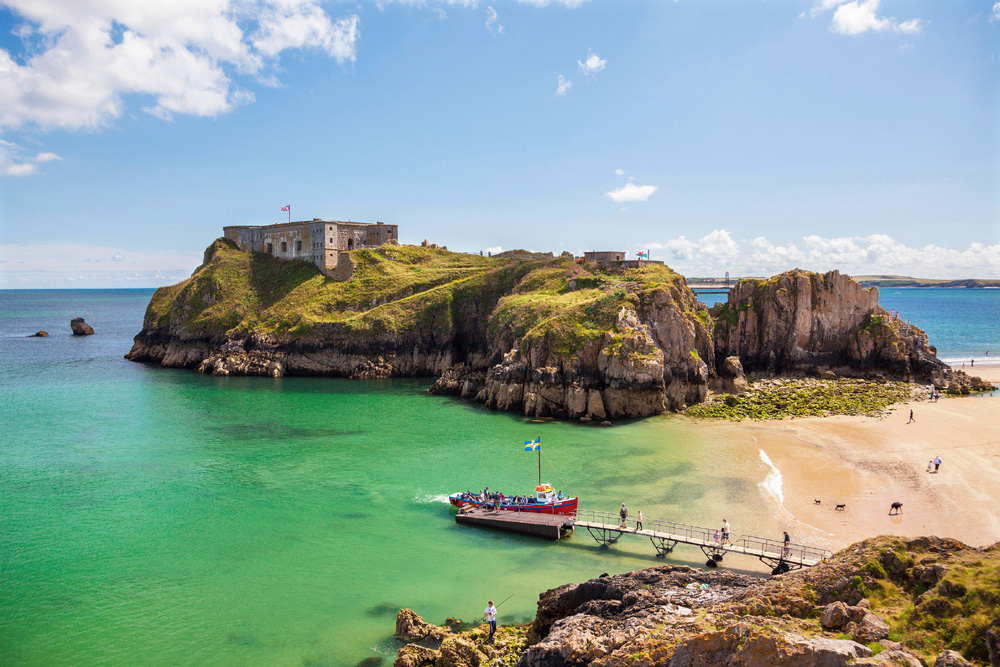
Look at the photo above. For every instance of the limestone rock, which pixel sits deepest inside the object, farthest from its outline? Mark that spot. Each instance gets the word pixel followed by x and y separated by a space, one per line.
pixel 415 655
pixel 81 328
pixel 871 628
pixel 951 659
pixel 834 616
pixel 993 642
pixel 459 652
pixel 39 334
pixel 891 658
pixel 411 627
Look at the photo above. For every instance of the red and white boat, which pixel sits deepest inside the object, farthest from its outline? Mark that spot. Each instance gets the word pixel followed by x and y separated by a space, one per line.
pixel 545 501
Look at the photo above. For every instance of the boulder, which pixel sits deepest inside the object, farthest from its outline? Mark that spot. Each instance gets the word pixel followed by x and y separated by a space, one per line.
pixel 410 627
pixel 834 616
pixel 415 655
pixel 951 659
pixel 891 658
pixel 459 652
pixel 993 642
pixel 81 328
pixel 41 334
pixel 871 628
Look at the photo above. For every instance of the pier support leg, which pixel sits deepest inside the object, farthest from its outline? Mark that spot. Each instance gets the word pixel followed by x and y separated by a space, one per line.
pixel 714 555
pixel 778 565
pixel 605 536
pixel 662 545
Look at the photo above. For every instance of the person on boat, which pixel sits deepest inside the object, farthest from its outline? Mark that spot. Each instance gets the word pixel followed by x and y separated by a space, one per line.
pixel 559 496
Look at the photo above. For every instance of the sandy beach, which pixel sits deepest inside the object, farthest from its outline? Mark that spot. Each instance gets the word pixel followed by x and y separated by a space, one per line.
pixel 866 464
pixel 988 370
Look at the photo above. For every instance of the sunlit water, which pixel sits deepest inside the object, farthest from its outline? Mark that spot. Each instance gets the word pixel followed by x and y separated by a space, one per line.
pixel 162 517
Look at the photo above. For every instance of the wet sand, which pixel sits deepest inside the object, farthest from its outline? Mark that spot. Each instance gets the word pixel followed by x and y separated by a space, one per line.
pixel 866 464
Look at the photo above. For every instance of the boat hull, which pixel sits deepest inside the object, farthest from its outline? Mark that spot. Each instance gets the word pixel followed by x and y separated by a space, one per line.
pixel 565 506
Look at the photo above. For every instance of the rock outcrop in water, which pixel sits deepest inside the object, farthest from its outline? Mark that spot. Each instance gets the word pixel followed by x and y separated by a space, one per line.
pixel 81 328
pixel 541 335
pixel 884 601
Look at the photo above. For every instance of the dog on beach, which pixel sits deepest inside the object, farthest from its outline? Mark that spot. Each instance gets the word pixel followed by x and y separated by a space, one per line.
pixel 841 507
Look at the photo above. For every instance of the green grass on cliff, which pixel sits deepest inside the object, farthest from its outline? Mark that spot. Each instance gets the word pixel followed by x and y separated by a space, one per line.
pixel 398 289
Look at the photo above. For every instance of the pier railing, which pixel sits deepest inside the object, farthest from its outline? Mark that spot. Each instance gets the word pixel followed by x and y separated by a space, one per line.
pixel 690 533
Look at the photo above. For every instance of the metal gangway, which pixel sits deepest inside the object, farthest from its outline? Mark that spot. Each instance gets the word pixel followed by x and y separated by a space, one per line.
pixel 606 528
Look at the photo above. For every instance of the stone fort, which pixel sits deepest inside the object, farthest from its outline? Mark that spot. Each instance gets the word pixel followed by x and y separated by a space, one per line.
pixel 321 242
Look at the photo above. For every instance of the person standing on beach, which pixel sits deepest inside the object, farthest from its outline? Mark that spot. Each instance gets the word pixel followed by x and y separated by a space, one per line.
pixel 491 617
pixel 930 465
pixel 937 463
pixel 911 417
pixel 623 513
pixel 725 533
pixel 638 520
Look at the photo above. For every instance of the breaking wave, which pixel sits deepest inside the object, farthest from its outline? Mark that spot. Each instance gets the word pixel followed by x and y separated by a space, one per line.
pixel 771 486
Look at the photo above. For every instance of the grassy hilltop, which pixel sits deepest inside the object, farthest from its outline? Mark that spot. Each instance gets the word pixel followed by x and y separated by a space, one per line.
pixel 400 289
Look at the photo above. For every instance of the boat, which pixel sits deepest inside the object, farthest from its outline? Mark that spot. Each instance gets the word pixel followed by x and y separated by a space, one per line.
pixel 545 501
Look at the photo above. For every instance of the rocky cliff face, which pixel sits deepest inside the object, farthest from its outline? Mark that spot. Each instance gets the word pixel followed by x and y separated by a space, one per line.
pixel 799 321
pixel 884 601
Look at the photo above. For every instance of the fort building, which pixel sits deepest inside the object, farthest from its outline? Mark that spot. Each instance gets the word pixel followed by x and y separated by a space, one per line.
pixel 318 241
pixel 616 258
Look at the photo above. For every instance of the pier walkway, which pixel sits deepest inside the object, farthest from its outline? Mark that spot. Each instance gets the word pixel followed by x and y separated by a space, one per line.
pixel 605 527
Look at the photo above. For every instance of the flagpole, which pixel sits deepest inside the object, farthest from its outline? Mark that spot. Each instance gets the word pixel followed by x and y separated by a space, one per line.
pixel 539 464
pixel 289 213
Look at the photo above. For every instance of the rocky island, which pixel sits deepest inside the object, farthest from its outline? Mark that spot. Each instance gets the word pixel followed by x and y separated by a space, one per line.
pixel 528 332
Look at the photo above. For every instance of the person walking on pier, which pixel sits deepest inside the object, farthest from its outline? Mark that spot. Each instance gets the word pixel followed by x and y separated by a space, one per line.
pixel 491 617
pixel 623 513
pixel 638 520
pixel 725 533
pixel 788 544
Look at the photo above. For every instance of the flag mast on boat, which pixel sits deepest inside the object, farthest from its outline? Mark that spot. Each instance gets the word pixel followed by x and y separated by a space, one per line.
pixel 535 445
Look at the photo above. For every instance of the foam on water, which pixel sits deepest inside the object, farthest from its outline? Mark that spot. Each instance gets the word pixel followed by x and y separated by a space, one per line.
pixel 772 485
pixel 432 498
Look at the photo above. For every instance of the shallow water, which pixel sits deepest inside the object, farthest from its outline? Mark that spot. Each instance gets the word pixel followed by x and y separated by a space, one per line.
pixel 159 517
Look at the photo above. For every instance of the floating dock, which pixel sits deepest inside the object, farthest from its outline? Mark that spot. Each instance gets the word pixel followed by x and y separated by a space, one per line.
pixel 549 526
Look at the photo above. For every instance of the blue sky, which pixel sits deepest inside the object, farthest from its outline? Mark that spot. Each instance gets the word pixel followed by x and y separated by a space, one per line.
pixel 749 137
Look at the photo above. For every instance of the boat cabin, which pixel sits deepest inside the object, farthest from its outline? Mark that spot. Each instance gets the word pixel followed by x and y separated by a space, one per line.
pixel 545 493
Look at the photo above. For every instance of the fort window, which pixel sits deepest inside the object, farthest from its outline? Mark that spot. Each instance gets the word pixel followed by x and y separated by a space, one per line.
pixel 298 246
pixel 350 244
pixel 284 247
pixel 269 249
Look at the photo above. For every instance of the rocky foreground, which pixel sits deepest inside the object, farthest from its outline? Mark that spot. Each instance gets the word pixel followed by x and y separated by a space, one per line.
pixel 884 601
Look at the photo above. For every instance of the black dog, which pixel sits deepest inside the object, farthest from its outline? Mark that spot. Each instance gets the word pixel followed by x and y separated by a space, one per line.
pixel 841 507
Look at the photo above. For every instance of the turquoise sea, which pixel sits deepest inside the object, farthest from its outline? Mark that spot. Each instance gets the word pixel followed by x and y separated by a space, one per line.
pixel 161 517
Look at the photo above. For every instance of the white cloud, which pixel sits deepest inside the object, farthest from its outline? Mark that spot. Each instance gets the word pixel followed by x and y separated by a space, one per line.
pixel 495 250
pixel 14 161
pixel 632 192
pixel 995 13
pixel 82 58
pixel 563 85
pixel 860 16
pixel 592 64
pixel 492 21
pixel 619 172
pixel 717 252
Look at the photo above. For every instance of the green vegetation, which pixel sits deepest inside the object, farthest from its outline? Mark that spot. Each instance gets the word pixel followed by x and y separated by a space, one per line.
pixel 398 289
pixel 777 399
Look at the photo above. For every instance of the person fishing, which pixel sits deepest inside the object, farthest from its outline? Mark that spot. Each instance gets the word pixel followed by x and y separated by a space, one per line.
pixel 491 617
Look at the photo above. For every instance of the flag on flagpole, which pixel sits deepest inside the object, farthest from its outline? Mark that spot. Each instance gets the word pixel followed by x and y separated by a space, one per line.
pixel 643 254
pixel 286 208
pixel 532 445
